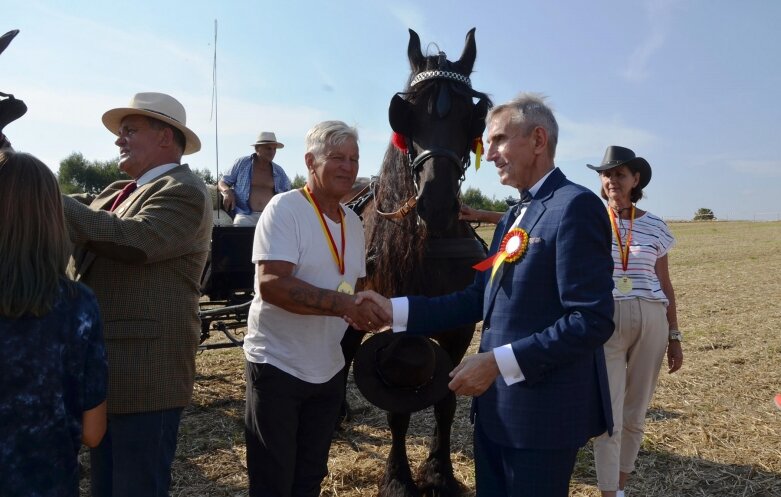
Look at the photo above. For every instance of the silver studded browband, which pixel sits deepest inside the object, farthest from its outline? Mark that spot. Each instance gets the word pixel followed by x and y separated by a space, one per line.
pixel 437 74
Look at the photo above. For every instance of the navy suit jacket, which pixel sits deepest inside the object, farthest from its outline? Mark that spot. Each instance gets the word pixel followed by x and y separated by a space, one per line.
pixel 555 306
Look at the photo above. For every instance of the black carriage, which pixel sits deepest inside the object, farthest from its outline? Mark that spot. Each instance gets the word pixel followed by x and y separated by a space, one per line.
pixel 227 286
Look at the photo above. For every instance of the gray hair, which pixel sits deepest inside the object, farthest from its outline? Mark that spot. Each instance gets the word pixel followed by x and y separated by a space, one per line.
pixel 328 134
pixel 528 110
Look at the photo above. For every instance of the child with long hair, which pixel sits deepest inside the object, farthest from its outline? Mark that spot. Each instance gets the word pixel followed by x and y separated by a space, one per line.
pixel 53 370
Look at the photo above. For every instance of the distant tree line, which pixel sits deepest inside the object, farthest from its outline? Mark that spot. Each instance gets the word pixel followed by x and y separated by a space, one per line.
pixel 79 175
pixel 474 198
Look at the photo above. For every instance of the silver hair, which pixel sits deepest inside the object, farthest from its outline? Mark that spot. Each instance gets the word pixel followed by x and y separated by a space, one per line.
pixel 328 134
pixel 528 110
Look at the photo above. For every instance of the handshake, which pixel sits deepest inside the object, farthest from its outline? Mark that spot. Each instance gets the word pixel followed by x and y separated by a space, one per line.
pixel 370 312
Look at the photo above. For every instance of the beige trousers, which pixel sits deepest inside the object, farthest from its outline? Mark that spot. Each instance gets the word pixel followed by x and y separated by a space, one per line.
pixel 633 355
pixel 246 219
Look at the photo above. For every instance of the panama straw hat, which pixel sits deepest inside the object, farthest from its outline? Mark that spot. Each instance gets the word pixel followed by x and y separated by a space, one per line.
pixel 399 372
pixel 158 106
pixel 266 138
pixel 619 156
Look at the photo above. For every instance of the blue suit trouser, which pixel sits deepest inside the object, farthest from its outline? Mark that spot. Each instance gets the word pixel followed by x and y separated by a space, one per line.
pixel 502 471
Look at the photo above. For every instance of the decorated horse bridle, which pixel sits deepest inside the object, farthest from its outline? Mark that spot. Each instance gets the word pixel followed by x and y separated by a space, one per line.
pixel 417 160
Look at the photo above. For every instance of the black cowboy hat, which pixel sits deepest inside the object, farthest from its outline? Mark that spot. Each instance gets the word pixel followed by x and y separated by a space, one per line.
pixel 619 156
pixel 398 372
pixel 11 108
pixel 6 39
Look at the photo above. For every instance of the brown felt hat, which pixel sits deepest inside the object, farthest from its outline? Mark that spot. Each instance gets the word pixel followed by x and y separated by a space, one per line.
pixel 399 372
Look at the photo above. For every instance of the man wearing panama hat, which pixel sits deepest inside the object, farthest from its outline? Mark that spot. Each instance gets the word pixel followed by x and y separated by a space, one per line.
pixel 141 246
pixel 253 180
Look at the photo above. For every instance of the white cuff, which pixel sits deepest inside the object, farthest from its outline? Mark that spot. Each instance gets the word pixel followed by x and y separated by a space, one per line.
pixel 400 307
pixel 508 365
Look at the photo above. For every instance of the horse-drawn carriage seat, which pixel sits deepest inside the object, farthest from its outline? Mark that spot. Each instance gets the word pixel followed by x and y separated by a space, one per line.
pixel 229 272
pixel 228 282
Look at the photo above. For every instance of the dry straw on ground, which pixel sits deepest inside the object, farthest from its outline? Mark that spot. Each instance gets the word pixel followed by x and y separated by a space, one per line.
pixel 711 430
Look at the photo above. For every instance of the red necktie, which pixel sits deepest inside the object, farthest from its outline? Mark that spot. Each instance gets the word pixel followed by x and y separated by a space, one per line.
pixel 125 193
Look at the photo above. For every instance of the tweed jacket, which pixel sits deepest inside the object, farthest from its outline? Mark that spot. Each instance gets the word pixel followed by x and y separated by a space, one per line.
pixel 555 307
pixel 144 263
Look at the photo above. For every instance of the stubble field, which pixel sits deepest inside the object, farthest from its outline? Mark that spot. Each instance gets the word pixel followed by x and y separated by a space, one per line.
pixel 712 429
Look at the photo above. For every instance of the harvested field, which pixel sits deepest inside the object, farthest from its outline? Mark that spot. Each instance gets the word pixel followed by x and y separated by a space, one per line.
pixel 712 429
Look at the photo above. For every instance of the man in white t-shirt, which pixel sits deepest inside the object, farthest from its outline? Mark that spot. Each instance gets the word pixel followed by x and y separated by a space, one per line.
pixel 309 251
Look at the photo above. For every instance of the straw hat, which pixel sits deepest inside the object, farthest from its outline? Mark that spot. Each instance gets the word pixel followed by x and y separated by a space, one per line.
pixel 266 138
pixel 158 106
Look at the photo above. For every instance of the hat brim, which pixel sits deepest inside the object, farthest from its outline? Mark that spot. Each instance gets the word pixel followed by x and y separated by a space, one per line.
pixel 112 120
pixel 642 166
pixel 5 40
pixel 276 144
pixel 393 399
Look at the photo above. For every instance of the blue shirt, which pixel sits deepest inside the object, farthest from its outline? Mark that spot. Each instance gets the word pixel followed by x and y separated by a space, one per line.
pixel 52 369
pixel 240 178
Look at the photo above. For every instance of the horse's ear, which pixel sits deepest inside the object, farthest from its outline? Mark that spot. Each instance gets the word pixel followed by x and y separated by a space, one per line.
pixel 467 60
pixel 478 118
pixel 416 59
pixel 400 116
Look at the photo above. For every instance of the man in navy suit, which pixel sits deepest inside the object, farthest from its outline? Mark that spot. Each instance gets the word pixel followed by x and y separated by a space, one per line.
pixel 539 381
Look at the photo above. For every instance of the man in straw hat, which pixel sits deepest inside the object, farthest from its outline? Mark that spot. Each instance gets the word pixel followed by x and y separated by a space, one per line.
pixel 253 180
pixel 141 245
pixel 539 380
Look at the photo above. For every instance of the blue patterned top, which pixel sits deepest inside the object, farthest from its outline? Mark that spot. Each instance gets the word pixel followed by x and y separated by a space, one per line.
pixel 240 178
pixel 52 369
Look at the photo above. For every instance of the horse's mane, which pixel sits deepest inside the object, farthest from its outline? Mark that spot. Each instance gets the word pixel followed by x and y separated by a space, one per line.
pixel 401 241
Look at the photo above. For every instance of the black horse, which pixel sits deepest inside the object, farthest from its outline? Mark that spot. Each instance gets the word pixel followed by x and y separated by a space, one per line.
pixel 428 252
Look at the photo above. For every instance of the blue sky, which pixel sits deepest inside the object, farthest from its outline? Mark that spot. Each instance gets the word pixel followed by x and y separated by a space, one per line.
pixel 694 86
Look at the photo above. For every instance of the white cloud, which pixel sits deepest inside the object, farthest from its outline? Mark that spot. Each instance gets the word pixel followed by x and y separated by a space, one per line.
pixel 765 168
pixel 659 13
pixel 579 141
pixel 408 15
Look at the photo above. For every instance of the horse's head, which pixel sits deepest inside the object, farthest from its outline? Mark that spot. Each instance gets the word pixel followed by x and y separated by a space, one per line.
pixel 437 121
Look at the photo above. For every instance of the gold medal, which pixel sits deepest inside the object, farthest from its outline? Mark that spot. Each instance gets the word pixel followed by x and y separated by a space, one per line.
pixel 624 284
pixel 345 287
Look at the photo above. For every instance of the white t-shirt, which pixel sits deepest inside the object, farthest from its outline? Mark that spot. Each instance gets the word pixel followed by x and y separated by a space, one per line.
pixel 651 240
pixel 304 346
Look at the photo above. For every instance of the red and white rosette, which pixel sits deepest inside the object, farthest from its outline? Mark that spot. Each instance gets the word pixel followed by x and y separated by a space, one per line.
pixel 511 249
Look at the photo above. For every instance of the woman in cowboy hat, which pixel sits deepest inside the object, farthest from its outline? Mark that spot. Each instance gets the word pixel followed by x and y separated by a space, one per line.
pixel 645 315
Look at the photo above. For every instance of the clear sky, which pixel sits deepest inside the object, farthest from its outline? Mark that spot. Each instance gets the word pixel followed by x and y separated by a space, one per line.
pixel 694 86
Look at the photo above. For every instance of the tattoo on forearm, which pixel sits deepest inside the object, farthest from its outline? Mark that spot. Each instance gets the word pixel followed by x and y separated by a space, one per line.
pixel 317 299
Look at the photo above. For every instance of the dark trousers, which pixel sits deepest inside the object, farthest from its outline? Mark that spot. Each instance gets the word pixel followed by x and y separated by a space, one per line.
pixel 502 471
pixel 289 424
pixel 134 458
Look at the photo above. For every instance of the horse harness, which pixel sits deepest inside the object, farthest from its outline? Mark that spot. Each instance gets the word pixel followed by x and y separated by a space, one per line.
pixel 417 160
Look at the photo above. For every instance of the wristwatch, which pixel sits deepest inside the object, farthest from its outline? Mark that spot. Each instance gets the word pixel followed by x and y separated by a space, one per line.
pixel 676 335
